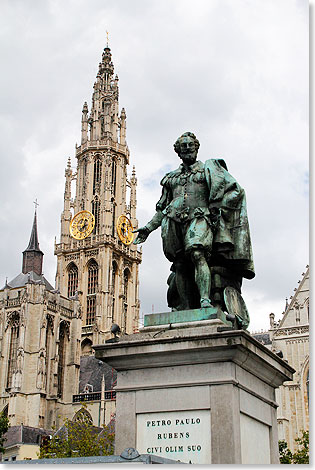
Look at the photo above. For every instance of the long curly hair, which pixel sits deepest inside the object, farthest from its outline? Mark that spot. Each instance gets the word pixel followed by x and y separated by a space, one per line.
pixel 186 134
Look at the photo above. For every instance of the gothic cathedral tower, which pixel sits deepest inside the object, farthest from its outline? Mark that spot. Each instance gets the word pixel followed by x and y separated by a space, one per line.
pixel 100 269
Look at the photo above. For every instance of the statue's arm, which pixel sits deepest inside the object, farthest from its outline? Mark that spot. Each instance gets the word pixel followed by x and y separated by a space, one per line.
pixel 144 232
pixel 156 220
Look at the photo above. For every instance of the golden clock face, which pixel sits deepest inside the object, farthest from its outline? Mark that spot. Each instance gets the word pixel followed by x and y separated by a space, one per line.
pixel 124 229
pixel 81 225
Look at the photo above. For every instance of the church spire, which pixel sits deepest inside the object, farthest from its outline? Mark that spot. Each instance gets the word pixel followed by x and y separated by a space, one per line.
pixel 103 119
pixel 33 256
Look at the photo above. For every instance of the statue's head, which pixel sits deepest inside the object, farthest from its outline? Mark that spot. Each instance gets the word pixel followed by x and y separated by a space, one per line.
pixel 186 147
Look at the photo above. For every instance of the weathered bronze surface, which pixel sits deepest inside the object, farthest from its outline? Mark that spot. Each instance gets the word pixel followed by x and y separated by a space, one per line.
pixel 205 233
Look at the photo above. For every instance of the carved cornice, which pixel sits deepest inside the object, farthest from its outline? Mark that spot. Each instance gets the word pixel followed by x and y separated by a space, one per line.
pixel 294 330
pixel 72 257
pixel 291 386
pixel 91 253
pixel 95 242
pixel 304 339
pixel 281 420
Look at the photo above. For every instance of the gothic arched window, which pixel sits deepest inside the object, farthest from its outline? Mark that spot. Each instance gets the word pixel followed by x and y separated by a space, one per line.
pixel 63 337
pixel 86 347
pixel 307 303
pixel 92 289
pixel 83 416
pixel 114 220
pixel 114 171
pixel 49 334
pixel 96 213
pixel 126 279
pixel 84 168
pixel 90 309
pixel 14 343
pixel 97 174
pixel 92 277
pixel 113 287
pixel 72 279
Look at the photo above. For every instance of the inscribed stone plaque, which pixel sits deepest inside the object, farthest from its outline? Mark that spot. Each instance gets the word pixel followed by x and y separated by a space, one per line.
pixel 178 435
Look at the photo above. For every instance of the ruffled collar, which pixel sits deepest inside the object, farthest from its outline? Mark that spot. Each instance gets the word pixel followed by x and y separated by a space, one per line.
pixel 194 168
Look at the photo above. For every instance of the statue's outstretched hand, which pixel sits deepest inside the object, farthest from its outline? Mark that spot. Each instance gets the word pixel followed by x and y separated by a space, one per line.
pixel 143 234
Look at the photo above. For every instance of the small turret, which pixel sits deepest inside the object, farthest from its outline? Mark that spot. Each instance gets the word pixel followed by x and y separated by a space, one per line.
pixel 84 126
pixel 122 137
pixel 33 256
pixel 272 319
pixel 66 214
pixel 133 196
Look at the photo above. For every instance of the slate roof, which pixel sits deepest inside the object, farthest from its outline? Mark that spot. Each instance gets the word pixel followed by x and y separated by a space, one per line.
pixel 263 338
pixel 92 371
pixel 22 279
pixel 24 435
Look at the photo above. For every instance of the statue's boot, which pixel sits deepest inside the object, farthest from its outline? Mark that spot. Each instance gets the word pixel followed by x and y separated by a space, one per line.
pixel 204 303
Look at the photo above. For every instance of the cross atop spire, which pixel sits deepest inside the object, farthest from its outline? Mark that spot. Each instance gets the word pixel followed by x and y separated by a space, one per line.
pixel 36 204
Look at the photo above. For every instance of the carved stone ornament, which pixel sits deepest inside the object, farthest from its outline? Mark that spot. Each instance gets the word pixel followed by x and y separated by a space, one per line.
pixel 13 318
pixel 292 331
pixel 50 322
pixel 127 264
pixel 19 360
pixel 292 386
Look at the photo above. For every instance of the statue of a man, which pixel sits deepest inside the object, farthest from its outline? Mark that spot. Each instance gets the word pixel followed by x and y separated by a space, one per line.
pixel 205 233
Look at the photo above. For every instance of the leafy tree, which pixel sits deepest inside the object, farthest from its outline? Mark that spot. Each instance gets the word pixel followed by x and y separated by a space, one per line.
pixel 285 453
pixel 4 426
pixel 78 438
pixel 301 456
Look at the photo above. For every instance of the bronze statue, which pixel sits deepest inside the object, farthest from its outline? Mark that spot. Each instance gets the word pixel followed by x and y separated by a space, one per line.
pixel 205 232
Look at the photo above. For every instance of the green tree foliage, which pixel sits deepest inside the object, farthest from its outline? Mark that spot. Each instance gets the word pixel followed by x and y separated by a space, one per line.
pixel 4 426
pixel 301 456
pixel 78 438
pixel 285 453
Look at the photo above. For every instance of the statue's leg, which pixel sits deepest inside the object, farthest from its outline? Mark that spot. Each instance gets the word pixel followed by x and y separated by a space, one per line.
pixel 182 284
pixel 202 276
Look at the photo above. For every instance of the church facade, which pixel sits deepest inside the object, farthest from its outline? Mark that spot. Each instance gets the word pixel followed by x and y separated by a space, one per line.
pixel 290 335
pixel 40 333
pixel 47 366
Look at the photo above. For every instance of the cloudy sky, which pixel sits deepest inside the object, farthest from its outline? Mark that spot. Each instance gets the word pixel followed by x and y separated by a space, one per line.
pixel 234 72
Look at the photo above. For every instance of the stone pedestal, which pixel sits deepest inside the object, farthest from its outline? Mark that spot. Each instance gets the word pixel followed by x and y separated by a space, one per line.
pixel 196 394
